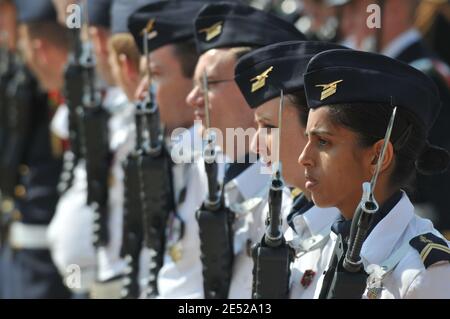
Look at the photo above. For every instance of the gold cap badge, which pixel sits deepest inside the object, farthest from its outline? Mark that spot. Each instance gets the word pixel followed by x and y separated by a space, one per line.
pixel 260 80
pixel 328 89
pixel 212 31
pixel 149 29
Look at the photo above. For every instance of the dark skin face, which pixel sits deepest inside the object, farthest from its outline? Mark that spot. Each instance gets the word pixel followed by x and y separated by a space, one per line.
pixel 336 164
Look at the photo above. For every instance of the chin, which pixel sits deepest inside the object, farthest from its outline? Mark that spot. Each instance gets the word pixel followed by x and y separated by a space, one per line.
pixel 320 201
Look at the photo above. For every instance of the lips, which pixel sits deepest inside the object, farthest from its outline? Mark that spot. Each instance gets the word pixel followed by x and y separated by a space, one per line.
pixel 265 160
pixel 199 115
pixel 311 182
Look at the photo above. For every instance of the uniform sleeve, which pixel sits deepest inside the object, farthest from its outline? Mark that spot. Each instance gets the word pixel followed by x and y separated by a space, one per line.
pixel 432 283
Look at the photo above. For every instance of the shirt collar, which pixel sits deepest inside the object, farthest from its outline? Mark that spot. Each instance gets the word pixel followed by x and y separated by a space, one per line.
pixel 250 181
pixel 316 218
pixel 299 206
pixel 401 42
pixel 387 232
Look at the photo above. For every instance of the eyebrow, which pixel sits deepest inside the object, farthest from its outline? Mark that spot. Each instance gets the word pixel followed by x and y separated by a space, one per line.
pixel 262 118
pixel 318 132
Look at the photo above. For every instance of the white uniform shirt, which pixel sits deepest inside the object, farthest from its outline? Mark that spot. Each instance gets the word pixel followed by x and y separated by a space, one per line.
pixel 182 277
pixel 246 195
pixel 121 132
pixel 312 232
pixel 388 242
pixel 70 231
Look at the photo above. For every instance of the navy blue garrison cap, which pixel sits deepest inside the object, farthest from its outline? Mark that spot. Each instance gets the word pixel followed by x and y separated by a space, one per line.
pixel 167 22
pixel 121 11
pixel 263 73
pixel 225 24
pixel 99 12
pixel 35 11
pixel 347 76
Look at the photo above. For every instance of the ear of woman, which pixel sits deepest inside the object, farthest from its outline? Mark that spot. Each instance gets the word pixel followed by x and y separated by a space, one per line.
pixel 387 159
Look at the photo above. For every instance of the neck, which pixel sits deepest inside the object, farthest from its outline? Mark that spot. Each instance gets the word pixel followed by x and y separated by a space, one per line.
pixel 381 195
pixel 390 34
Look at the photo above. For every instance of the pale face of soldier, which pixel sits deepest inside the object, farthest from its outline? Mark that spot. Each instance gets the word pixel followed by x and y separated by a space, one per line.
pixel 336 164
pixel 125 73
pixel 45 59
pixel 292 138
pixel 7 25
pixel 172 87
pixel 227 105
pixel 100 37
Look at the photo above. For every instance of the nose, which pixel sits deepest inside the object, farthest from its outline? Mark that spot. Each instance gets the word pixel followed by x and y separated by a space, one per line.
pixel 195 98
pixel 305 158
pixel 255 143
pixel 142 89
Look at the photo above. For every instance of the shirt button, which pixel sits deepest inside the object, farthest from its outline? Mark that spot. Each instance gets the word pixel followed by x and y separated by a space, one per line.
pixel 20 191
pixel 7 205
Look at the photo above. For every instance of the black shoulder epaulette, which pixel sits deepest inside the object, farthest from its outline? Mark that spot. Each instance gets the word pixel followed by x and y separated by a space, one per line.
pixel 431 248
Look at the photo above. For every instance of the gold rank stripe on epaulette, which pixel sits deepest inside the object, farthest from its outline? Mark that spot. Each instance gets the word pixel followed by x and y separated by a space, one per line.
pixel 328 89
pixel 259 81
pixel 429 247
pixel 212 31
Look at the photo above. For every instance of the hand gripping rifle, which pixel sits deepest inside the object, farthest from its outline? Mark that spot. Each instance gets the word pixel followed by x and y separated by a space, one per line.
pixel 73 93
pixel 156 182
pixel 346 279
pixel 215 222
pixel 272 256
pixel 95 143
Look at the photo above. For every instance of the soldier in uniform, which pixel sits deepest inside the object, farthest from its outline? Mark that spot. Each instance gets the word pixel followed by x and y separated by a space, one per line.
pixel 172 60
pixel 8 37
pixel 351 96
pixel 125 63
pixel 101 268
pixel 224 32
pixel 310 225
pixel 399 39
pixel 27 270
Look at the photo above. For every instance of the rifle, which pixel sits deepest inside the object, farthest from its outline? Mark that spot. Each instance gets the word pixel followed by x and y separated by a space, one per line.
pixel 133 231
pixel 95 143
pixel 346 278
pixel 272 256
pixel 73 93
pixel 156 183
pixel 215 222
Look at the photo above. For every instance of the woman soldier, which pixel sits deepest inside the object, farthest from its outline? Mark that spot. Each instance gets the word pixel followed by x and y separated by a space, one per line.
pixel 261 75
pixel 351 96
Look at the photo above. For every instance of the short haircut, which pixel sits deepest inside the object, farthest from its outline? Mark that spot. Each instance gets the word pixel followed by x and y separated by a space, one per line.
pixel 123 43
pixel 186 53
pixel 53 32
